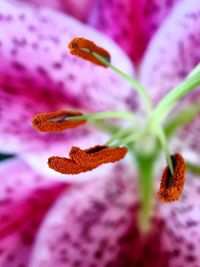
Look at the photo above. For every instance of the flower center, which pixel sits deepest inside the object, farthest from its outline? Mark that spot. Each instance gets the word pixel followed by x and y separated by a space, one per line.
pixel 145 140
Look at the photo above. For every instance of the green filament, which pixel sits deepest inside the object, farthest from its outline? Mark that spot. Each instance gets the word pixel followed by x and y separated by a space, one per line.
pixel 119 134
pixel 105 115
pixel 136 85
pixel 177 93
pixel 163 141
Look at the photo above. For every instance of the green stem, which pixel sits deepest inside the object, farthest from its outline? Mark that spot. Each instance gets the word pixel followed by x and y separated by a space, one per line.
pixel 104 115
pixel 145 169
pixel 163 142
pixel 136 85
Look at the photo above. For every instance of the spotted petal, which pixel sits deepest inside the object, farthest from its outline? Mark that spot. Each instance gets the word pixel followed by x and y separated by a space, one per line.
pixel 35 59
pixel 96 225
pixel 87 224
pixel 172 53
pixel 23 203
pixel 38 75
pixel 131 23
pixel 181 235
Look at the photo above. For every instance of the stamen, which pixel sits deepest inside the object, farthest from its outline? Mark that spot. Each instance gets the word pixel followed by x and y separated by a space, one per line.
pixel 56 121
pixel 97 155
pixel 84 48
pixel 171 186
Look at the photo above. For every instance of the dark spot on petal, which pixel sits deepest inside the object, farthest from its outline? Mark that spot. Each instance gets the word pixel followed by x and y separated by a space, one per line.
pixel 190 258
pixel 77 263
pixel 18 66
pixel 71 77
pixel 98 254
pixel 31 28
pixel 57 65
pixel 22 17
pixel 10 257
pixel 42 71
pixel 35 45
pixel 27 238
pixel 176 253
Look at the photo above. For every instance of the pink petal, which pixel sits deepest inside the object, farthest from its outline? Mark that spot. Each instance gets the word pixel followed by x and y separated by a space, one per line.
pixel 17 110
pixel 131 23
pixel 38 75
pixel 78 9
pixel 181 235
pixel 35 60
pixel 173 52
pixel 95 225
pixel 23 203
pixel 81 224
pixel 17 133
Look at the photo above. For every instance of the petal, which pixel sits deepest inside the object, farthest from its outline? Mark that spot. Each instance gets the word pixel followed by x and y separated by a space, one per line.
pixel 17 110
pixel 181 235
pixel 38 75
pixel 35 60
pixel 173 52
pixel 32 82
pixel 23 203
pixel 79 10
pixel 95 225
pixel 131 23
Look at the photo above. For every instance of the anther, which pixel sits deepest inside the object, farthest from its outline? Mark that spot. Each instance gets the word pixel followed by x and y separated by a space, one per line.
pixel 86 160
pixel 84 48
pixel 56 121
pixel 97 155
pixel 171 186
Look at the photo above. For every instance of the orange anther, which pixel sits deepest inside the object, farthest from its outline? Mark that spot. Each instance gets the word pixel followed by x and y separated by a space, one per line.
pixel 171 186
pixel 84 48
pixel 86 160
pixel 97 155
pixel 56 121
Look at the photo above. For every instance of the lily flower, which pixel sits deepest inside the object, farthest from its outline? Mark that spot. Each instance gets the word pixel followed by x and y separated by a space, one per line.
pixel 123 109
